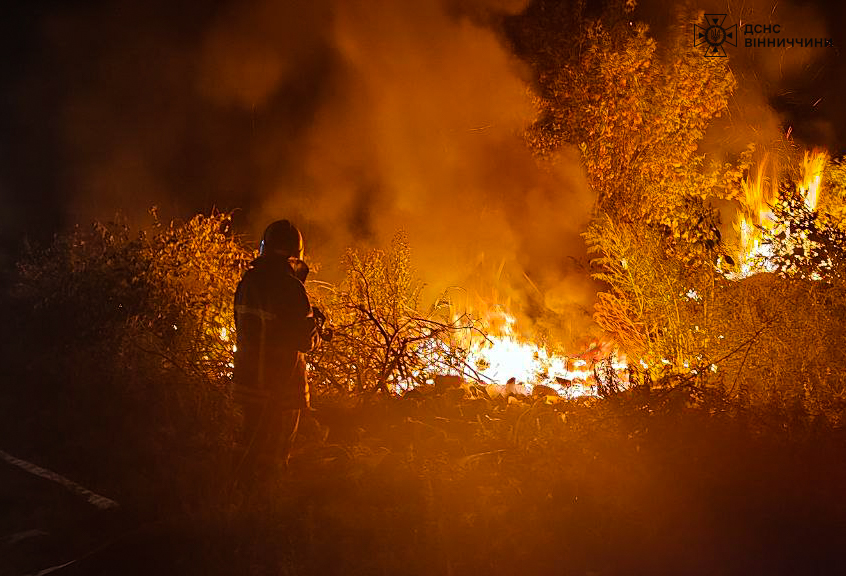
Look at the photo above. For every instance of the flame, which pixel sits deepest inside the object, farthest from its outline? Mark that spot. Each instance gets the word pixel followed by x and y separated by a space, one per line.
pixel 510 363
pixel 812 168
pixel 505 362
pixel 756 215
pixel 504 355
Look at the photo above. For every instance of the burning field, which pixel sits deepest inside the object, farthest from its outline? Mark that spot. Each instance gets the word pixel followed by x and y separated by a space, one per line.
pixel 585 285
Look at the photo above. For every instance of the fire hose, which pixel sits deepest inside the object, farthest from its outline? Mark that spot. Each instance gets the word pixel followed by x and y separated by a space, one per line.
pixel 93 498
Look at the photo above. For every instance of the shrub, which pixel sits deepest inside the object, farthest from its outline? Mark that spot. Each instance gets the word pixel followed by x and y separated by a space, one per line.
pixel 125 341
pixel 383 340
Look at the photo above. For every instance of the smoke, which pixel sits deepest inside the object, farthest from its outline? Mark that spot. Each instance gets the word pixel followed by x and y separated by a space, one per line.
pixel 422 131
pixel 356 119
pixel 418 128
pixel 775 86
pixel 254 50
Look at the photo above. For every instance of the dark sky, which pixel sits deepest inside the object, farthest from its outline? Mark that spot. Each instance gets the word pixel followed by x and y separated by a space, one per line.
pixel 824 81
pixel 112 104
pixel 99 112
pixel 81 85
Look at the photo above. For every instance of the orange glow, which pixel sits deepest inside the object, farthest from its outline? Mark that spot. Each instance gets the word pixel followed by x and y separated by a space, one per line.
pixel 812 168
pixel 505 355
pixel 756 216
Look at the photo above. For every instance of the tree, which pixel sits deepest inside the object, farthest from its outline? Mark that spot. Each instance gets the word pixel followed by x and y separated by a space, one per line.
pixel 636 110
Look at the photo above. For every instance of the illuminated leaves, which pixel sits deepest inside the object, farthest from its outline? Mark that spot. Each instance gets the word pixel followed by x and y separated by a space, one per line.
pixel 660 280
pixel 803 244
pixel 167 290
pixel 637 111
pixel 832 207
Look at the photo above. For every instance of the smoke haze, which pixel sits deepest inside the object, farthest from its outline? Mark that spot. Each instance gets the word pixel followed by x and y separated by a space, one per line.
pixel 353 118
pixel 422 131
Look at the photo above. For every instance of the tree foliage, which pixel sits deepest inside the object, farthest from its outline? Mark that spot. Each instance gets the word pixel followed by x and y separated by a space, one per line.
pixel 833 202
pixel 662 283
pixel 637 110
pixel 806 243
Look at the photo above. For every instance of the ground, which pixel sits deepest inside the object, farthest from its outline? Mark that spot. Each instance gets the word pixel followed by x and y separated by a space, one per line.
pixel 444 483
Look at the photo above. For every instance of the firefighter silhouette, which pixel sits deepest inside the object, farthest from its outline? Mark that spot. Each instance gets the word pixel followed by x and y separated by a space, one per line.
pixel 274 326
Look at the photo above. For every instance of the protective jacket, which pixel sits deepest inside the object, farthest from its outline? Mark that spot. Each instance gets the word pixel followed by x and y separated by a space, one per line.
pixel 274 326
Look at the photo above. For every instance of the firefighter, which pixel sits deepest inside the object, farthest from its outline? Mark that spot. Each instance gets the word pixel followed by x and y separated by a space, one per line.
pixel 274 325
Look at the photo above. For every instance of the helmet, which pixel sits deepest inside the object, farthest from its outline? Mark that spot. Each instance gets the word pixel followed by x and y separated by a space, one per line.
pixel 282 237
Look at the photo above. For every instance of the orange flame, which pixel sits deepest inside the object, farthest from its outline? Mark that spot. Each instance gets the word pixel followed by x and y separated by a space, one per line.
pixel 756 215
pixel 505 355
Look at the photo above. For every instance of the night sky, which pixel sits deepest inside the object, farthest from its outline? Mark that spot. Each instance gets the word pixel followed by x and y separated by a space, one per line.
pixel 109 105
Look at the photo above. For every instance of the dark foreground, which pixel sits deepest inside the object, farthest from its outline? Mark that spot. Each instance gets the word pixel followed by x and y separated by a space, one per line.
pixel 659 482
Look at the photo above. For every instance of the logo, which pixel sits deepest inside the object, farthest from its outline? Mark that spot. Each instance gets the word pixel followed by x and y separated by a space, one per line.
pixel 713 35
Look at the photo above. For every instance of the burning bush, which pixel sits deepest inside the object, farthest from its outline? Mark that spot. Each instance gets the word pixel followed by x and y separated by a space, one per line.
pixel 805 243
pixel 675 299
pixel 768 329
